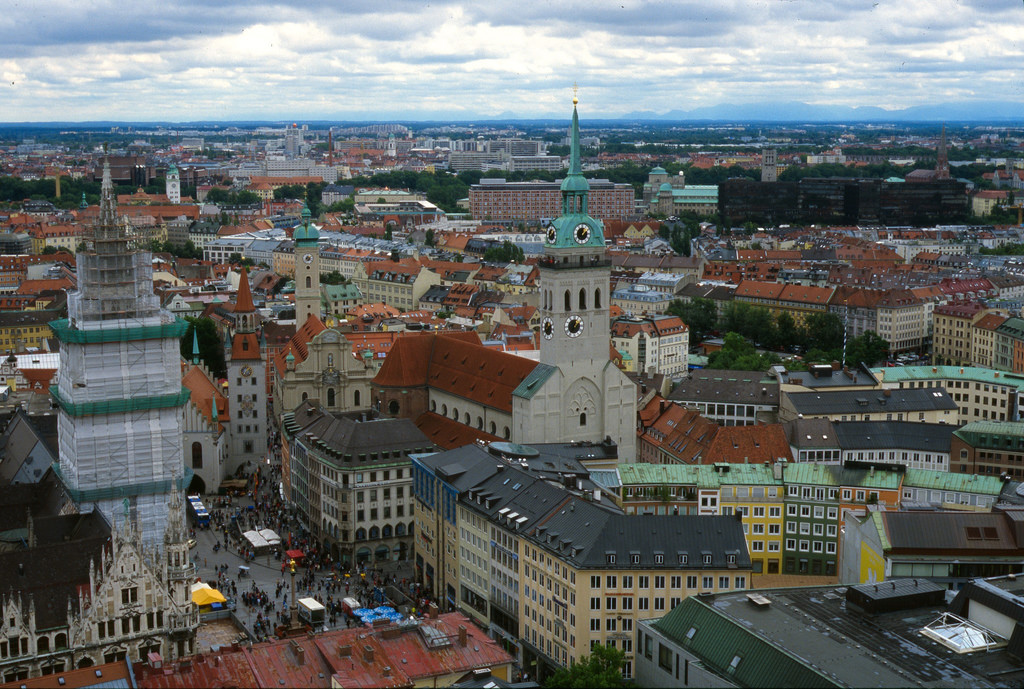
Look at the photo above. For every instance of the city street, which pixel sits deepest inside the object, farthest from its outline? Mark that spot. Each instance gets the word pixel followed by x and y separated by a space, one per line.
pixel 263 590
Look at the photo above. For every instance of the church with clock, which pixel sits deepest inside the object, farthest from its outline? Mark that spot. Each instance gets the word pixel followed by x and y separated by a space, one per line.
pixel 575 393
pixel 458 391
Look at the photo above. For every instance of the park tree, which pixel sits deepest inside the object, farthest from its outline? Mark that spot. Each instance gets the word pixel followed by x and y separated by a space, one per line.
pixel 601 669
pixel 869 348
pixel 824 331
pixel 699 314
pixel 506 253
pixel 740 355
pixel 749 320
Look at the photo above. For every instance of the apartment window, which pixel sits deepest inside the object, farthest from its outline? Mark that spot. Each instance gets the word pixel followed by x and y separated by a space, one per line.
pixel 677 581
pixel 610 581
pixel 691 581
pixel 645 581
pixel 595 581
pixel 627 581
pixel 659 582
pixel 643 603
pixel 595 624
pixel 609 603
pixel 707 583
pixel 659 603
pixel 595 603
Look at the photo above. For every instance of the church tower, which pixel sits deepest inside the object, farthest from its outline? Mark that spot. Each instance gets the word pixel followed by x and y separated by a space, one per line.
pixel 584 396
pixel 247 383
pixel 118 388
pixel 173 185
pixel 307 270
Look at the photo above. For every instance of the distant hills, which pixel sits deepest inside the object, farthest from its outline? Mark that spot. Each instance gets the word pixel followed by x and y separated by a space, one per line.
pixel 795 111
pixel 790 112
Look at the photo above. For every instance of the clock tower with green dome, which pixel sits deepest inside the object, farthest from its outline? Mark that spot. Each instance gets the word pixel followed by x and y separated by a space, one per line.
pixel 307 270
pixel 583 396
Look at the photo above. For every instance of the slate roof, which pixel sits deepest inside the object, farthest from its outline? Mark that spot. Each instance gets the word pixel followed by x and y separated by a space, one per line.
pixel 872 435
pixel 968 533
pixel 871 401
pixel 715 385
pixel 586 534
pixel 338 436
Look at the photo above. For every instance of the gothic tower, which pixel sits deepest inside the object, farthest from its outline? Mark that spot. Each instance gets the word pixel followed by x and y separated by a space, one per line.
pixel 173 185
pixel 307 270
pixel 119 387
pixel 247 381
pixel 584 396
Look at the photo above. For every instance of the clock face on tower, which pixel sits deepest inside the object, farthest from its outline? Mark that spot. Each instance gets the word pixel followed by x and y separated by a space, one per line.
pixel 308 258
pixel 247 371
pixel 547 328
pixel 573 326
pixel 552 234
pixel 581 233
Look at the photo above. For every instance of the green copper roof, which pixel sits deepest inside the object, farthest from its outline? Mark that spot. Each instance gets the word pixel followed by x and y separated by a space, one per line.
pixel 899 374
pixel 992 434
pixel 944 480
pixel 306 233
pixel 659 171
pixel 533 381
pixel 831 475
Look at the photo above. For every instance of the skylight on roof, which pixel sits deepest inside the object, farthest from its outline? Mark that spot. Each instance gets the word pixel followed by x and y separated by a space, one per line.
pixel 960 635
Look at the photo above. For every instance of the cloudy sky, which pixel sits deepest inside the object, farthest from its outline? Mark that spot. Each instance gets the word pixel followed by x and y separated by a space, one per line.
pixel 184 60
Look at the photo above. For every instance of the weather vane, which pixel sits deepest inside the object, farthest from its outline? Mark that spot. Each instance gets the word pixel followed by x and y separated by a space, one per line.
pixel 575 88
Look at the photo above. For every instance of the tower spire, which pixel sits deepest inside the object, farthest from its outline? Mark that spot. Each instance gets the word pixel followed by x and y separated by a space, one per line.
pixel 195 345
pixel 243 300
pixel 575 168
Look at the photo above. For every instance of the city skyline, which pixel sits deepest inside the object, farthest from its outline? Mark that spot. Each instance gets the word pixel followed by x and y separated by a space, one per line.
pixel 451 60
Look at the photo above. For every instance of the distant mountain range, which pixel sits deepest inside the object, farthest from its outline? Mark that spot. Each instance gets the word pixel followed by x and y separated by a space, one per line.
pixel 795 111
pixel 792 112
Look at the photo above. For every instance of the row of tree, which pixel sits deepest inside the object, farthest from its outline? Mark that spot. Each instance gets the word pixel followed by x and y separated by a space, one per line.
pixel 820 337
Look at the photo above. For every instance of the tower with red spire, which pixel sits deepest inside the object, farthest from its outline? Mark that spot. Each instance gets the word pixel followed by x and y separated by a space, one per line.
pixel 247 373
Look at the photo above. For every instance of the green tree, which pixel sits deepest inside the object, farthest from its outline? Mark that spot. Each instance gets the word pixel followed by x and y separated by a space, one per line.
pixel 428 238
pixel 787 334
pixel 333 278
pixel 211 349
pixel 740 355
pixel 600 670
pixel 506 253
pixel 49 249
pixel 869 348
pixel 824 331
pixel 749 320
pixel 699 314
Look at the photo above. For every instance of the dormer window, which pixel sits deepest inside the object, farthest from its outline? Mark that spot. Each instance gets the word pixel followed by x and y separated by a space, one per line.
pixel 731 558
pixel 683 559
pixel 634 558
pixel 610 558
pixel 659 559
pixel 707 559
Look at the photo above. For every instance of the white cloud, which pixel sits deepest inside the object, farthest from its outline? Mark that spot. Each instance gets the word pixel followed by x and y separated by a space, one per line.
pixel 398 59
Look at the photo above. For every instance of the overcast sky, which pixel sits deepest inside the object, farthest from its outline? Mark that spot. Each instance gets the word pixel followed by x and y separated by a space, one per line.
pixel 183 60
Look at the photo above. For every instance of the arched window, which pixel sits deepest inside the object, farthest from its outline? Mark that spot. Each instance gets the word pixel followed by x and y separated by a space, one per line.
pixel 60 641
pixel 412 528
pixel 444 410
pixel 197 455
pixel 465 418
pixel 597 298
pixel 305 396
pixel 43 644
pixel 309 282
pixel 330 397
pixel 480 423
pixel 508 433
pixel 386 531
pixel 393 407
pixel 455 413
pixel 399 529
pixel 355 398
pixel 330 360
pixel 494 428
pixel 583 298
pixel 433 405
pixel 360 534
pixel 568 304
pixel 583 418
pixel 374 533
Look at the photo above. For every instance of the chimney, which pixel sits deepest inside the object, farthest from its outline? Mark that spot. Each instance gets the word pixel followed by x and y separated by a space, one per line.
pixel 887 392
pixel 432 611
pixel 386 672
pixel 463 635
pixel 344 651
pixel 368 654
pixel 300 655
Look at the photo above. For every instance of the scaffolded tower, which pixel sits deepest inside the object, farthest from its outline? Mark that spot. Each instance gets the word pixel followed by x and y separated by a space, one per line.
pixel 119 383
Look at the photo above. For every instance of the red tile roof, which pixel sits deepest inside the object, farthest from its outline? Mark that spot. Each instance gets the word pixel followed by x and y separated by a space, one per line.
pixel 449 434
pixel 748 445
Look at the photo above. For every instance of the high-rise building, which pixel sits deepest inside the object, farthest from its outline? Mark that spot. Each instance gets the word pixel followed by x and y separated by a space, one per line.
pixel 119 383
pixel 769 165
pixel 942 158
